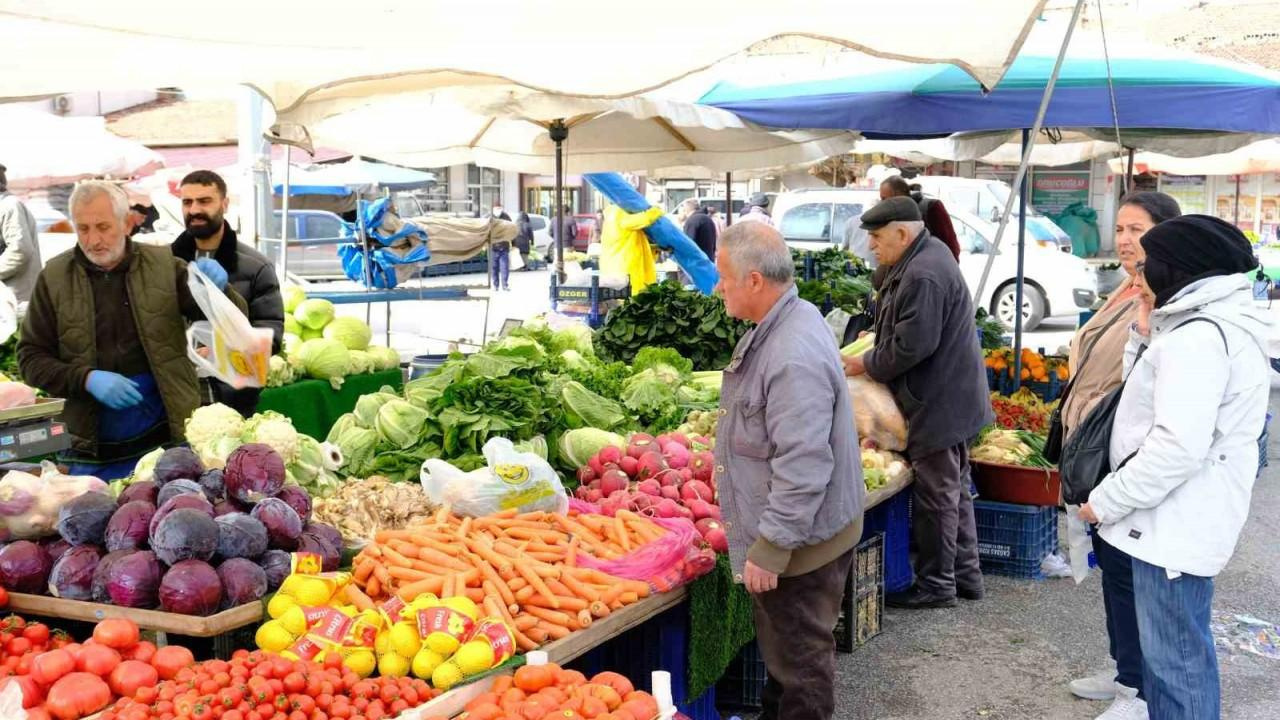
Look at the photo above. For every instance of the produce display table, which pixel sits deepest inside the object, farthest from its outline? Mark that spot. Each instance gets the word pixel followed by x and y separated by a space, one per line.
pixel 314 406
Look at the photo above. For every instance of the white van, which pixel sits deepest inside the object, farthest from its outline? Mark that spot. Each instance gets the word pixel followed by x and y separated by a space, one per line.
pixel 986 199
pixel 1057 284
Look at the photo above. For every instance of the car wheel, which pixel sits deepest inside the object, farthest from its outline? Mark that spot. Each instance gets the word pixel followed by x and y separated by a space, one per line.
pixel 1033 305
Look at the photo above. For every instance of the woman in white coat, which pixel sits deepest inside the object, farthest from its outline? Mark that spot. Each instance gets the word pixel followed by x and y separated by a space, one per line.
pixel 1185 440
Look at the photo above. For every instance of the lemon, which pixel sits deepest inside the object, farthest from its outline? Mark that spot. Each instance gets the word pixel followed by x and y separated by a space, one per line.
pixel 393 665
pixel 446 676
pixel 382 643
pixel 294 620
pixel 463 605
pixel 422 602
pixel 361 662
pixel 474 657
pixel 273 636
pixel 312 592
pixel 425 663
pixel 404 639
pixel 279 604
pixel 370 617
pixel 348 610
pixel 290 584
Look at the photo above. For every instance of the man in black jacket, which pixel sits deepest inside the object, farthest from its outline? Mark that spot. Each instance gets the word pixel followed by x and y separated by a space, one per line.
pixel 927 353
pixel 700 228
pixel 250 273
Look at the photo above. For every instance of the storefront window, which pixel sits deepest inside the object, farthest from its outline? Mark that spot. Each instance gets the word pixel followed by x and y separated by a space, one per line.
pixel 484 188
pixel 435 198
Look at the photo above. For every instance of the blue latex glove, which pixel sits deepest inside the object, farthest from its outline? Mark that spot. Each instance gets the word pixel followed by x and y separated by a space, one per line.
pixel 213 271
pixel 113 389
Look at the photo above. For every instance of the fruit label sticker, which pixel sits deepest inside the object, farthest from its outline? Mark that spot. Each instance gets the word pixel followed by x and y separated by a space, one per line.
pixel 390 609
pixel 333 627
pixel 362 634
pixel 315 615
pixel 306 648
pixel 498 635
pixel 303 563
pixel 441 619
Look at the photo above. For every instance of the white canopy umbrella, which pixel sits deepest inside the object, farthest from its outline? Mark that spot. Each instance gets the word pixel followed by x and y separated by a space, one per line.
pixel 330 54
pixel 1259 157
pixel 40 149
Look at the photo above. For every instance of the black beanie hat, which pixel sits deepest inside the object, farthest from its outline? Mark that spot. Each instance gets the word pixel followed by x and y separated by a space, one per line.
pixel 1189 248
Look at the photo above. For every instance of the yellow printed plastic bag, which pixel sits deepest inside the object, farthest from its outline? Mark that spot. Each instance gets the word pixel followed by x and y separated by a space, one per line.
pixel 513 480
pixel 625 248
pixel 225 346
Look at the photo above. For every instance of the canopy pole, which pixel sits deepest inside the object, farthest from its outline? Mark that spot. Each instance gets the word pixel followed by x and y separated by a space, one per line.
pixel 284 216
pixel 1026 151
pixel 1128 182
pixel 559 133
pixel 728 200
pixel 1236 220
pixel 1023 190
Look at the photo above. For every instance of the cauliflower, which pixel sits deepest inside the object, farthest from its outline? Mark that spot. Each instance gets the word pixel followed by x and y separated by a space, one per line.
pixel 210 423
pixel 273 429
pixel 279 372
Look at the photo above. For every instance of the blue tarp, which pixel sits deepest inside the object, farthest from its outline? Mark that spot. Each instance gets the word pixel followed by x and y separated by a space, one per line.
pixel 383 261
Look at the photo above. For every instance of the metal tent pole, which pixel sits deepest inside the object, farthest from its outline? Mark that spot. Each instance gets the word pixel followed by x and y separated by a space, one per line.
pixel 284 216
pixel 559 133
pixel 1023 191
pixel 1026 151
pixel 728 200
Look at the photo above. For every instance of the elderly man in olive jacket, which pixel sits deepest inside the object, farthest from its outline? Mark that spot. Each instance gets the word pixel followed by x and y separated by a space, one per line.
pixel 788 471
pixel 927 352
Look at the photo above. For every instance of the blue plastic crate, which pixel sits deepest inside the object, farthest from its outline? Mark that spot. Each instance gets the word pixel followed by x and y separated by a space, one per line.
pixel 893 518
pixel 743 680
pixel 1014 539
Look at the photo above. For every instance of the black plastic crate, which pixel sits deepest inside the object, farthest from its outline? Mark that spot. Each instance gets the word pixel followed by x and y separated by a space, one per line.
pixel 743 680
pixel 862 608
pixel 1014 539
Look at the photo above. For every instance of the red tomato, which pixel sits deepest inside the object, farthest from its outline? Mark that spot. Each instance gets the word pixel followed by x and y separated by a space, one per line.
pixel 143 651
pixel 76 695
pixel 32 695
pixel 117 633
pixel 37 633
pixel 98 659
pixel 48 667
pixel 4 597
pixel 169 660
pixel 131 675
pixel 18 646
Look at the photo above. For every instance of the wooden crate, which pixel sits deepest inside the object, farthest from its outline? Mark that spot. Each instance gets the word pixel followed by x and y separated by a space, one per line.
pixel 210 626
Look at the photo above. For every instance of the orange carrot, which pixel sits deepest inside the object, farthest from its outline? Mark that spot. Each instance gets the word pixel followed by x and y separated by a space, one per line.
pixel 374 587
pixel 584 618
pixel 620 527
pixel 527 572
pixel 599 609
pixel 556 632
pixel 410 574
pixel 551 616
pixel 357 598
pixel 578 587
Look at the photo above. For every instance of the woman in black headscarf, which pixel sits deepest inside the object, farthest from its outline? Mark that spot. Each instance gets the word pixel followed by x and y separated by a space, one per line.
pixel 1184 442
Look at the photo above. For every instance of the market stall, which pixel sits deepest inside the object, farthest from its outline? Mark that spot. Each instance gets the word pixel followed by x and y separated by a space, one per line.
pixel 315 406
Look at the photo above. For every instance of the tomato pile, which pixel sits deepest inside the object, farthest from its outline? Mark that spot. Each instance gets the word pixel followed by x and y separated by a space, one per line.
pixel 264 686
pixel 538 692
pixel 64 680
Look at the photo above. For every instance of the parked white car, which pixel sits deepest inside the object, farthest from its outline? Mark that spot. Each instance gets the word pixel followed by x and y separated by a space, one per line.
pixel 985 199
pixel 1058 285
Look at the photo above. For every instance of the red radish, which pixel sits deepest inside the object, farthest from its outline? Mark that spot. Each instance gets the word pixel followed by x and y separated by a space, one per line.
pixel 715 511
pixel 586 475
pixel 651 464
pixel 640 444
pixel 697 490
pixel 677 455
pixel 680 438
pixel 684 512
pixel 610 454
pixel 703 465
pixel 629 465
pixel 594 496
pixel 615 502
pixel 670 478
pixel 686 474
pixel 701 509
pixel 662 440
pixel 613 481
pixel 706 524
pixel 670 492
pixel 667 508
pixel 717 540
pixel 596 465
pixel 642 502
pixel 650 487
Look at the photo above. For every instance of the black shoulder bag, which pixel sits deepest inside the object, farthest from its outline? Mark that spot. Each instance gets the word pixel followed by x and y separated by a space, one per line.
pixel 1086 457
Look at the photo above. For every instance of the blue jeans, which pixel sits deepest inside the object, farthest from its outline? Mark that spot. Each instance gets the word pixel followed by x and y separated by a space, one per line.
pixel 1122 617
pixel 1180 665
pixel 501 266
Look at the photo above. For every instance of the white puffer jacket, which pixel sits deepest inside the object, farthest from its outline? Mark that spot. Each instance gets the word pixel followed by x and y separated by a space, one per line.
pixel 1192 410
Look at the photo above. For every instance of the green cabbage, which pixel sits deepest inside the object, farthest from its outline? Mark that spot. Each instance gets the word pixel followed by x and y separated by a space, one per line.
pixel 309 334
pixel 292 296
pixel 367 406
pixel 361 362
pixel 536 445
pixel 314 313
pixel 325 360
pixel 291 325
pixel 211 422
pixel 384 358
pixel 344 422
pixel 400 423
pixel 426 390
pixel 575 337
pixel 215 455
pixel 146 467
pixel 578 446
pixel 349 331
pixel 359 448
pixel 275 430
pixel 584 408
pixel 290 343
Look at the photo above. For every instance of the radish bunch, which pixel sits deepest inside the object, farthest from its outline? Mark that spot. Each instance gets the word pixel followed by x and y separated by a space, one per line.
pixel 667 476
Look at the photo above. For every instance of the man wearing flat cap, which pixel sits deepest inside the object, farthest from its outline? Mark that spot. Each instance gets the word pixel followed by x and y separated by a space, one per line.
pixel 927 353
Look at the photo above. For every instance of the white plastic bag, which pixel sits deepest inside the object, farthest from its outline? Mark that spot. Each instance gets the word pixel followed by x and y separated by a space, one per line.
pixel 225 345
pixel 29 504
pixel 11 702
pixel 1079 544
pixel 512 481
pixel 876 415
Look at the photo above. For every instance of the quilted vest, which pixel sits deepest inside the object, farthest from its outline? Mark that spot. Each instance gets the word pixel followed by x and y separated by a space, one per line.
pixel 151 282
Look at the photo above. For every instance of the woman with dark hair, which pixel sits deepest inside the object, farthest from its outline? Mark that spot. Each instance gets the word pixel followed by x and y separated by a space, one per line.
pixel 1184 442
pixel 524 240
pixel 1097 360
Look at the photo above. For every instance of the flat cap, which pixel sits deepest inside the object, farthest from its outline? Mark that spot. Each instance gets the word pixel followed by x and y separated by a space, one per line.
pixel 895 209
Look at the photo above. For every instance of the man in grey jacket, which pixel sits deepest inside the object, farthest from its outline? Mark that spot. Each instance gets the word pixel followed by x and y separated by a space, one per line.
pixel 19 244
pixel 788 471
pixel 927 352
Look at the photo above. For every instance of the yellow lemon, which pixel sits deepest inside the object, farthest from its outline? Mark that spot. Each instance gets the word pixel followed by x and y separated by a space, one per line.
pixel 280 604
pixel 361 662
pixel 393 665
pixel 382 643
pixel 290 584
pixel 474 657
pixel 312 592
pixel 463 605
pixel 446 676
pixel 425 663
pixel 422 602
pixel 348 610
pixel 294 620
pixel 273 636
pixel 404 639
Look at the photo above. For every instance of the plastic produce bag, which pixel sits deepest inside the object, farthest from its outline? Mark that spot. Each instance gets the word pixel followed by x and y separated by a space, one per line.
pixel 15 394
pixel 876 415
pixel 1079 544
pixel 29 504
pixel 668 562
pixel 225 345
pixel 512 480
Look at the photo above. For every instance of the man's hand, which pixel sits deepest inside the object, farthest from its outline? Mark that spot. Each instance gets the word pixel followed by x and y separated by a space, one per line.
pixel 112 389
pixel 213 271
pixel 854 366
pixel 1086 514
pixel 758 580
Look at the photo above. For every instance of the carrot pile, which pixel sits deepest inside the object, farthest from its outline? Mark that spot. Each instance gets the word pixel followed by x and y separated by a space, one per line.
pixel 522 568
